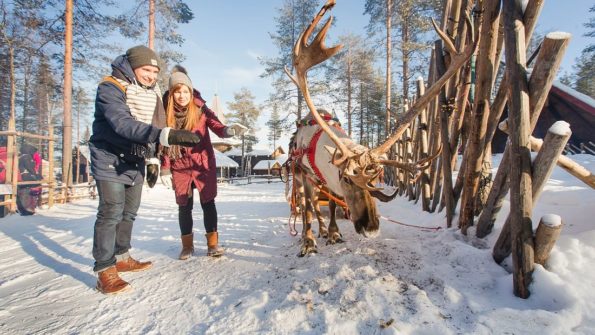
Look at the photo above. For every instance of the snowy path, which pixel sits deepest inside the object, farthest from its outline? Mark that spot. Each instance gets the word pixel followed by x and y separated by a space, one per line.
pixel 404 281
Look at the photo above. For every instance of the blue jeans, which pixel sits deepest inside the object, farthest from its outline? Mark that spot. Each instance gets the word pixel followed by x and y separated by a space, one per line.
pixel 118 204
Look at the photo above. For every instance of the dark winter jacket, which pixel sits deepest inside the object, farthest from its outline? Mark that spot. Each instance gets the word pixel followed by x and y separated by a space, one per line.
pixel 197 164
pixel 116 132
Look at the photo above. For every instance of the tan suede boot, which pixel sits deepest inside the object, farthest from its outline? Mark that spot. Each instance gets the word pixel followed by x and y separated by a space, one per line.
pixel 187 246
pixel 125 263
pixel 109 282
pixel 212 244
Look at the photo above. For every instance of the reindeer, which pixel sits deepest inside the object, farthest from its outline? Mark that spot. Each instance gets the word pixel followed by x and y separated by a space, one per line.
pixel 330 157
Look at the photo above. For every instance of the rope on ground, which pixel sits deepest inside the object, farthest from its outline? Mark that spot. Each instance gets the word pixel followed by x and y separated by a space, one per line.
pixel 410 225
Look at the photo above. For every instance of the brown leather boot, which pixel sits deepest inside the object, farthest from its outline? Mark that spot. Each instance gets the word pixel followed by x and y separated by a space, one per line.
pixel 213 248
pixel 129 264
pixel 187 246
pixel 109 282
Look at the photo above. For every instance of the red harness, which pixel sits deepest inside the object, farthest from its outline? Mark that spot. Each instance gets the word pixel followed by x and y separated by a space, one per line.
pixel 310 153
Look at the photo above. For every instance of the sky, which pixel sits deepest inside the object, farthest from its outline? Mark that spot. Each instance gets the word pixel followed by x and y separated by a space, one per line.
pixel 404 280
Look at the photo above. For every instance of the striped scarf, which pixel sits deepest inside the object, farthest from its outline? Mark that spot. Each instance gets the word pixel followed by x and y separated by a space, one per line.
pixel 141 101
pixel 145 106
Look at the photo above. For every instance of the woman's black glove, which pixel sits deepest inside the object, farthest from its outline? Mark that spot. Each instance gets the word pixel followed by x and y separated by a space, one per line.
pixel 181 137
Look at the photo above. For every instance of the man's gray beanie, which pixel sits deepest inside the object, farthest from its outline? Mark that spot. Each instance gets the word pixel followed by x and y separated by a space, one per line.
pixel 140 55
pixel 179 76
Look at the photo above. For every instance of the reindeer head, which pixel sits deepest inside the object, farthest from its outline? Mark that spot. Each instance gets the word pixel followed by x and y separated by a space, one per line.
pixel 359 167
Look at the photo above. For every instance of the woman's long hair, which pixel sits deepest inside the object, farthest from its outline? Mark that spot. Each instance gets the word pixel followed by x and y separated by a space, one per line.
pixel 192 116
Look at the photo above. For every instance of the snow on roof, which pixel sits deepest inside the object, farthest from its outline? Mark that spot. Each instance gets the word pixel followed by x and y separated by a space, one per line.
pixel 255 152
pixel 266 164
pixel 574 93
pixel 224 161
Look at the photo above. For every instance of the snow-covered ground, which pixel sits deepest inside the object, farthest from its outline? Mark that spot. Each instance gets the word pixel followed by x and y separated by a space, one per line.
pixel 404 281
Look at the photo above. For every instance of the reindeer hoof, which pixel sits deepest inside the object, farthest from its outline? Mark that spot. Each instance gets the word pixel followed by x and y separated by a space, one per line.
pixel 308 247
pixel 335 238
pixel 323 233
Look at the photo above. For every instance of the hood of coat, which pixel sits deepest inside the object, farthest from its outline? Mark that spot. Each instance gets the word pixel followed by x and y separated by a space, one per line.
pixel 121 69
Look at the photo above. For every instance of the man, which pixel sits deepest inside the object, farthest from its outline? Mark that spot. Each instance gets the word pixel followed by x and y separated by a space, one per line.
pixel 129 116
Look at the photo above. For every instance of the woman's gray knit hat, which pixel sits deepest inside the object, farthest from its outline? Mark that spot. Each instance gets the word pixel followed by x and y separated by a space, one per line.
pixel 179 76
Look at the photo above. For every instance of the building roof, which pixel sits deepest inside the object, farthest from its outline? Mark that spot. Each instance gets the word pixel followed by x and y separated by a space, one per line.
pixel 266 164
pixel 224 161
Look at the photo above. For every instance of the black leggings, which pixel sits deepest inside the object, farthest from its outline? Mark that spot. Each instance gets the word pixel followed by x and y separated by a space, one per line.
pixel 209 213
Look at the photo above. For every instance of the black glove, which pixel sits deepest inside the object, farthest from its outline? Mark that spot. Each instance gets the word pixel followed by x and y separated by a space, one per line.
pixel 182 137
pixel 152 174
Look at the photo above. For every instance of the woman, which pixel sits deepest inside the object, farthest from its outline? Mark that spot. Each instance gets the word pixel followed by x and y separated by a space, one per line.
pixel 190 168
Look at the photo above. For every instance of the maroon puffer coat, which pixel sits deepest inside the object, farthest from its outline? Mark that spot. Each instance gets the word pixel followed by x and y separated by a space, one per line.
pixel 197 164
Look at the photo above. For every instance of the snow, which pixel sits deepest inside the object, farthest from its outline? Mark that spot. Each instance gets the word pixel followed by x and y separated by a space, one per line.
pixel 551 220
pixel 406 280
pixel 560 128
pixel 558 35
pixel 224 161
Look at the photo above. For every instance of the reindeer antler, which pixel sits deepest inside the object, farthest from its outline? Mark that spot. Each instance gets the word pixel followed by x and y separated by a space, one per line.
pixel 305 57
pixel 459 59
pixel 363 167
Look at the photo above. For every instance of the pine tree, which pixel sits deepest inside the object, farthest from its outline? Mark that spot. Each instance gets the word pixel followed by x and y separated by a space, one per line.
pixel 410 20
pixel 243 110
pixel 275 125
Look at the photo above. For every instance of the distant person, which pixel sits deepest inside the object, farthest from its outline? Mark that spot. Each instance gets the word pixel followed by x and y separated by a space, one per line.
pixel 195 167
pixel 29 170
pixel 129 116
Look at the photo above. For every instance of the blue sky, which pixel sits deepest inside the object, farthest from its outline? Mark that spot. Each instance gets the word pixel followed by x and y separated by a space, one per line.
pixel 226 37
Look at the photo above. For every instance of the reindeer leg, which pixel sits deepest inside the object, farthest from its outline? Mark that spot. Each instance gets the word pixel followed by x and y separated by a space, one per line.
pixel 308 240
pixel 334 235
pixel 322 231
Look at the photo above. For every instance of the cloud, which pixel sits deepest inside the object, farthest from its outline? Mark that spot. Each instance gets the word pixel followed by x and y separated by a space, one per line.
pixel 253 54
pixel 240 76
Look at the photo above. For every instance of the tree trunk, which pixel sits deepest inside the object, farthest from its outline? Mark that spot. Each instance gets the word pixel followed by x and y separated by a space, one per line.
pixel 349 91
pixel 389 10
pixel 520 158
pixel 152 24
pixel 67 122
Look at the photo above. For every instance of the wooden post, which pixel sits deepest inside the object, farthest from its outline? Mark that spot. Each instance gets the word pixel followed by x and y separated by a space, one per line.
pixel 555 140
pixel 547 64
pixel 530 17
pixel 569 165
pixel 423 144
pixel 445 110
pixel 15 174
pixel 51 179
pixel 481 109
pixel 546 235
pixel 520 158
